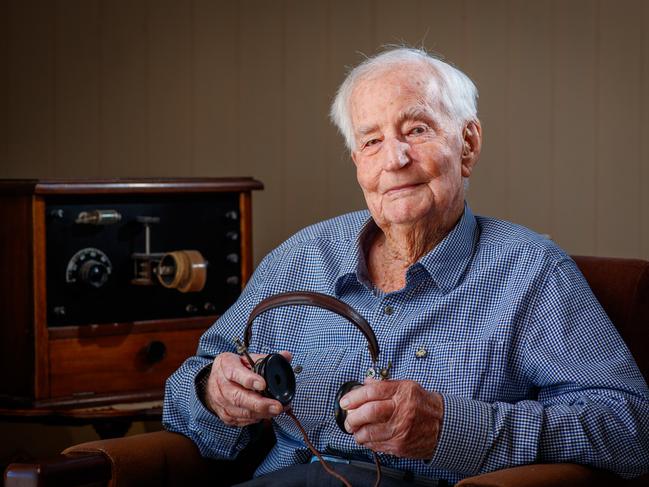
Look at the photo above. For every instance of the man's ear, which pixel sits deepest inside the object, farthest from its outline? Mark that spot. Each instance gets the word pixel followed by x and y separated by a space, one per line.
pixel 352 154
pixel 472 144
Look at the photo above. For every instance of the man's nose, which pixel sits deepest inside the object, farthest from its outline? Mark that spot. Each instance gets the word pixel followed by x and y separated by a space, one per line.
pixel 397 155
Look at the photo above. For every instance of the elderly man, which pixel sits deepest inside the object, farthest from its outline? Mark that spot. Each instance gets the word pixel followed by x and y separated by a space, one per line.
pixel 499 353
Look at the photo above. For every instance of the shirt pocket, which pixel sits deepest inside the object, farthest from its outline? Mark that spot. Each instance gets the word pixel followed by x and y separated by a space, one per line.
pixel 473 368
pixel 315 388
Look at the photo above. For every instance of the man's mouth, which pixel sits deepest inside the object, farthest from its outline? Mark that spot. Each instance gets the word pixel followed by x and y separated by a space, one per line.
pixel 401 187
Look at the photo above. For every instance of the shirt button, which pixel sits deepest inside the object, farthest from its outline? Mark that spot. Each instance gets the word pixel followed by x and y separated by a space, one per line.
pixel 421 352
pixel 388 310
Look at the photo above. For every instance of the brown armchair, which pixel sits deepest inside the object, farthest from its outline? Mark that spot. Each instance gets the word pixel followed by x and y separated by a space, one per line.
pixel 163 458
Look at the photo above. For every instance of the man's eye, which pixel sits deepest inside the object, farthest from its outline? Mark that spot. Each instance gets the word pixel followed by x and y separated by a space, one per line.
pixel 371 142
pixel 417 130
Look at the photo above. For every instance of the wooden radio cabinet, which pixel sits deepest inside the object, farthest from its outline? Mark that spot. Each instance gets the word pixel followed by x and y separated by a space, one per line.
pixel 108 284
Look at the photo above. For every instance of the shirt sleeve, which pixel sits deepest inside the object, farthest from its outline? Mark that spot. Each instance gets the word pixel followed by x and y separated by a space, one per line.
pixel 184 411
pixel 592 403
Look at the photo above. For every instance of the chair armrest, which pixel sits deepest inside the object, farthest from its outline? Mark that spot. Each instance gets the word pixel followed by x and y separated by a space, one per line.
pixel 160 458
pixel 73 469
pixel 149 459
pixel 544 475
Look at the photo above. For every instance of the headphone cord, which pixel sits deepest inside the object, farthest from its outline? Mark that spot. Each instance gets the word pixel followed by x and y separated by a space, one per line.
pixel 242 350
pixel 325 465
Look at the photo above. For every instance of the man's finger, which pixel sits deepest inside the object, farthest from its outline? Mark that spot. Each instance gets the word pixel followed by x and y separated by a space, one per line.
pixel 241 397
pixel 246 377
pixel 372 412
pixel 249 415
pixel 234 421
pixel 256 356
pixel 233 370
pixel 262 408
pixel 287 355
pixel 370 391
pixel 378 435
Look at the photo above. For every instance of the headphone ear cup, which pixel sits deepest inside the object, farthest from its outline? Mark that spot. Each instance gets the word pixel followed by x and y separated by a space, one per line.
pixel 340 413
pixel 279 377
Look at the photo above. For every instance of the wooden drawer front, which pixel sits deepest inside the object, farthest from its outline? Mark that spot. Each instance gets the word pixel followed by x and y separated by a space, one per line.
pixel 116 363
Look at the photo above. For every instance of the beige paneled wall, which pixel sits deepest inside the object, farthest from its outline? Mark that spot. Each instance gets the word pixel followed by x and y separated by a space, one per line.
pixel 117 88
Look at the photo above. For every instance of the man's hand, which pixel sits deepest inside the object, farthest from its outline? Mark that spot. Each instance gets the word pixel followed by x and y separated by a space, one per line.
pixel 398 417
pixel 233 391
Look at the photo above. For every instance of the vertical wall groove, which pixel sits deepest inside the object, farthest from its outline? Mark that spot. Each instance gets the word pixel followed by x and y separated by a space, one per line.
pixel 644 129
pixel 508 120
pixel 100 151
pixel 552 130
pixel 192 85
pixel 285 211
pixel 596 113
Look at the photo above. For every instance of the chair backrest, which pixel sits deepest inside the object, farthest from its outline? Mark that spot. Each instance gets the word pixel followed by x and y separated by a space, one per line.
pixel 622 288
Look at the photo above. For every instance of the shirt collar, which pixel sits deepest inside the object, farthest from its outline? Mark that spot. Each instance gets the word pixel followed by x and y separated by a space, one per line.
pixel 448 261
pixel 445 264
pixel 353 266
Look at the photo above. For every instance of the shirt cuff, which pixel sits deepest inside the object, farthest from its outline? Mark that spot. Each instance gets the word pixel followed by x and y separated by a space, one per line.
pixel 464 439
pixel 216 436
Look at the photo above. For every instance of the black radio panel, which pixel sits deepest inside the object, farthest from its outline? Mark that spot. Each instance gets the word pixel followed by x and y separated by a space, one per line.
pixel 96 250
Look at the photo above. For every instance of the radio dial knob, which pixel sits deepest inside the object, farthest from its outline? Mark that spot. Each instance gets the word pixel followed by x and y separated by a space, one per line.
pixel 93 273
pixel 89 266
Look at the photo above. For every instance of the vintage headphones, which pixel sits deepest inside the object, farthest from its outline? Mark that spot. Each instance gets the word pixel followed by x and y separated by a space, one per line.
pixel 277 371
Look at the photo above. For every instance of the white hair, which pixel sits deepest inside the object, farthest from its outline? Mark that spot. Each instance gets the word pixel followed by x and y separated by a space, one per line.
pixel 454 90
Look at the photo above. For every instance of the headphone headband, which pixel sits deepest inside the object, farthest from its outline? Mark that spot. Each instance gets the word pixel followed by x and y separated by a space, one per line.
pixel 318 300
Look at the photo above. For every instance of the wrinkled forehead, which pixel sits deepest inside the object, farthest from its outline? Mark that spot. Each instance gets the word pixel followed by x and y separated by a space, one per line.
pixel 418 82
pixel 420 78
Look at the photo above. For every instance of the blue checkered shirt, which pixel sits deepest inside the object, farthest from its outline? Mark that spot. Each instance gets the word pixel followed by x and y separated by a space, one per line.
pixel 496 318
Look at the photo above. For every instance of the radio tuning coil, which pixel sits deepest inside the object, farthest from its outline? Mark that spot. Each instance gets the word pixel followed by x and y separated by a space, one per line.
pixel 185 270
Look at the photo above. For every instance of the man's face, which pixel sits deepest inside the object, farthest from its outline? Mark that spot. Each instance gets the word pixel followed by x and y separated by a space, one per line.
pixel 408 153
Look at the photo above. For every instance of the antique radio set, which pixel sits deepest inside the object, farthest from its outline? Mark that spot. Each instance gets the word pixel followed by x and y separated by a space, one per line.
pixel 108 284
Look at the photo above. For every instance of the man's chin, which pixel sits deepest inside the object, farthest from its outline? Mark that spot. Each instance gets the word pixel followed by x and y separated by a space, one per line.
pixel 406 217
